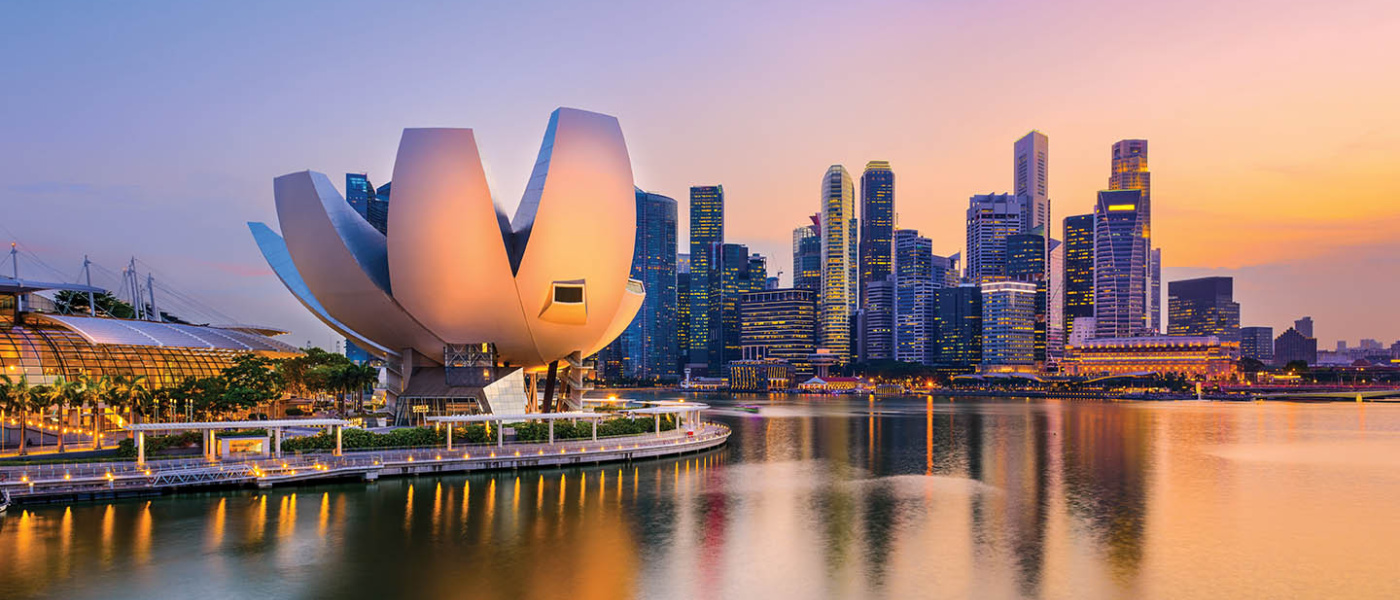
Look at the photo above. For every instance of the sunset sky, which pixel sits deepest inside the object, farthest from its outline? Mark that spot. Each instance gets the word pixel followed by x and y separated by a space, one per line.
pixel 155 129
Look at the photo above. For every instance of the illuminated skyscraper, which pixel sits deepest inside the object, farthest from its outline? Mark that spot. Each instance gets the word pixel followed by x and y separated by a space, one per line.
pixel 914 290
pixel 1204 306
pixel 731 273
pixel 1032 177
pixel 1120 265
pixel 1009 325
pixel 780 325
pixel 838 261
pixel 807 257
pixel 876 224
pixel 706 229
pixel 682 355
pixel 991 218
pixel 1025 262
pixel 1257 343
pixel 378 211
pixel 1079 270
pixel 1130 172
pixel 358 192
pixel 647 349
pixel 758 272
pixel 958 325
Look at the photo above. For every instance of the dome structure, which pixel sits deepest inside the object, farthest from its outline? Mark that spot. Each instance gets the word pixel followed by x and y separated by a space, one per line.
pixel 453 270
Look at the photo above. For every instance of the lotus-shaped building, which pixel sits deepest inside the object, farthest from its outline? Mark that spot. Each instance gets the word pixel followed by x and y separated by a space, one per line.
pixel 457 292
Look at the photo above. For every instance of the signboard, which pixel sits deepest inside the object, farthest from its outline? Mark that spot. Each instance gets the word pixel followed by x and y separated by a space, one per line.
pixel 420 408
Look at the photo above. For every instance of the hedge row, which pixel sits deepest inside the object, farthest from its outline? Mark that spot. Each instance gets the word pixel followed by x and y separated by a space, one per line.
pixel 565 430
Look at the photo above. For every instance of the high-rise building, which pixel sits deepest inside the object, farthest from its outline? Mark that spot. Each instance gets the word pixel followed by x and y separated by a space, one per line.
pixel 758 272
pixel 1129 171
pixel 1120 265
pixel 1055 297
pixel 646 350
pixel 1032 177
pixel 1204 306
pixel 991 218
pixel 730 278
pixel 1079 270
pixel 958 325
pixel 1257 343
pixel 839 287
pixel 914 289
pixel 1293 345
pixel 807 257
pixel 358 192
pixel 378 211
pixel 945 270
pixel 876 224
pixel 780 325
pixel 1008 325
pixel 706 229
pixel 682 312
pixel 1304 326
pixel 1025 262
pixel 877 320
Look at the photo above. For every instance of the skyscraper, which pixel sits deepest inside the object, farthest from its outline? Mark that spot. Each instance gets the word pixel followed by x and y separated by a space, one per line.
pixel 648 346
pixel 1204 306
pixel 730 278
pixel 1079 270
pixel 1129 172
pixel 1120 265
pixel 877 320
pixel 958 325
pixel 1257 343
pixel 758 272
pixel 914 290
pixel 1304 326
pixel 1293 345
pixel 378 212
pixel 991 218
pixel 1032 177
pixel 876 224
pixel 807 257
pixel 1025 262
pixel 706 229
pixel 1008 326
pixel 358 192
pixel 780 325
pixel 682 355
pixel 838 267
pixel 1055 297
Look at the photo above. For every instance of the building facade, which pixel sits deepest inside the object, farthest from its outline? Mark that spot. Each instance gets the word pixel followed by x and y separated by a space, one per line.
pixel 682 355
pixel 1293 345
pixel 1203 306
pixel 1026 262
pixel 877 320
pixel 991 218
pixel 358 192
pixel 914 285
pixel 1129 171
pixel 1203 358
pixel 876 224
pixel 731 276
pixel 1120 265
pixel 1257 343
pixel 780 325
pixel 646 350
pixel 958 325
pixel 1009 326
pixel 839 288
pixel 1032 179
pixel 1079 270
pixel 706 230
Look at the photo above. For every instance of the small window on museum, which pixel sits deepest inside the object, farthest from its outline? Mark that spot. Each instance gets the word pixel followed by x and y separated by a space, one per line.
pixel 568 294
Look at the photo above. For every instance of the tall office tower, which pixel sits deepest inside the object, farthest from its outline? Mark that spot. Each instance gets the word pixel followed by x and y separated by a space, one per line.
pixel 877 320
pixel 1129 172
pixel 876 224
pixel 1055 296
pixel 914 287
pixel 1294 345
pixel 838 267
pixel 945 270
pixel 991 218
pixel 358 191
pixel 772 283
pixel 1120 265
pixel 1304 326
pixel 758 272
pixel 957 329
pixel 648 346
pixel 1079 270
pixel 1008 325
pixel 682 355
pixel 378 212
pixel 706 229
pixel 730 273
pixel 1025 262
pixel 807 257
pixel 779 325
pixel 1204 306
pixel 1032 177
pixel 1257 343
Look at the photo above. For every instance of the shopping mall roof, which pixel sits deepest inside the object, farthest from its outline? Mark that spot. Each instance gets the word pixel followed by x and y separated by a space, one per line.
pixel 129 332
pixel 25 286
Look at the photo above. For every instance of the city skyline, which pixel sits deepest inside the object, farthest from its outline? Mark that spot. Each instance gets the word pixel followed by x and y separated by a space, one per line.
pixel 183 145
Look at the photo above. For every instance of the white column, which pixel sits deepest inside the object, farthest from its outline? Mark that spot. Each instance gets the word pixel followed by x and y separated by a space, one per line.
pixel 500 434
pixel 337 440
pixel 551 432
pixel 277 442
pixel 595 429
pixel 449 436
pixel 657 419
pixel 213 445
pixel 140 447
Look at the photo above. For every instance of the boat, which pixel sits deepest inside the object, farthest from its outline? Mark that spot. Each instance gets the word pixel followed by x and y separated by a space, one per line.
pixel 4 501
pixel 748 408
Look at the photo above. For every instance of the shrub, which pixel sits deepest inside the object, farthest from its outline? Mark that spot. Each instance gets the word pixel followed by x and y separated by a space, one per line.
pixel 155 444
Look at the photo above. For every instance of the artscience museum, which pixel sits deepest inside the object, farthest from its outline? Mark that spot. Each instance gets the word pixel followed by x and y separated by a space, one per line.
pixel 471 309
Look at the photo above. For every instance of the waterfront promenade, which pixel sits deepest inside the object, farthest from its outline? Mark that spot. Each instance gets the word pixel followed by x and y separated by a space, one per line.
pixel 93 480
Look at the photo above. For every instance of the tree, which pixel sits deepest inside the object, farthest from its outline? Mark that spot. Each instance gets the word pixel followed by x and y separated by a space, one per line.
pixel 94 391
pixel 40 397
pixel 71 302
pixel 1297 367
pixel 250 381
pixel 14 393
pixel 1249 364
pixel 64 394
pixel 129 392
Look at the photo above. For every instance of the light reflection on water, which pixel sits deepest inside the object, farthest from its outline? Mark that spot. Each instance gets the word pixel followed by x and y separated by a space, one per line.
pixel 812 498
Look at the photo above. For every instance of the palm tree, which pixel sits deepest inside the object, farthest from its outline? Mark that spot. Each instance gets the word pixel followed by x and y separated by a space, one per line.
pixel 94 391
pixel 14 395
pixel 130 392
pixel 38 401
pixel 59 395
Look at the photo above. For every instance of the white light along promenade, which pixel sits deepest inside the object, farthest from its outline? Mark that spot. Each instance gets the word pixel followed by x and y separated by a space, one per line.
pixel 80 481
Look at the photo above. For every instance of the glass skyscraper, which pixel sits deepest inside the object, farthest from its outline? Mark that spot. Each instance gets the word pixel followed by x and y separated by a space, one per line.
pixel 839 287
pixel 1032 177
pixel 1079 270
pixel 1009 325
pixel 1204 306
pixel 876 224
pixel 1025 262
pixel 648 347
pixel 358 192
pixel 706 229
pixel 991 218
pixel 1129 171
pixel 914 289
pixel 682 355
pixel 731 273
pixel 780 325
pixel 958 325
pixel 1120 265
pixel 1257 343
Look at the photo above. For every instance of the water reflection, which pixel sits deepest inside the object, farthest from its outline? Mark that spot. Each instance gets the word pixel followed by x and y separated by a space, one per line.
pixel 815 498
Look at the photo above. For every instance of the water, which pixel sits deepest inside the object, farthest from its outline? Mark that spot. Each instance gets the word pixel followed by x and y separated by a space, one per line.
pixel 814 498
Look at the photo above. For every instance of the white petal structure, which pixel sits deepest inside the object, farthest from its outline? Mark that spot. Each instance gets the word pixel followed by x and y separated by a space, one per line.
pixel 453 270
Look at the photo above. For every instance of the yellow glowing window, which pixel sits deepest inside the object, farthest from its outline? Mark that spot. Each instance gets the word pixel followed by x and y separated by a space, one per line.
pixel 1118 207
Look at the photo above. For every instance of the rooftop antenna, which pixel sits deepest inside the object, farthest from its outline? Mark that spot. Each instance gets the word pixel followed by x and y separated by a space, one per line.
pixel 87 272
